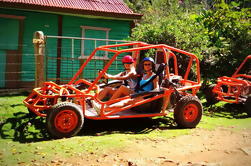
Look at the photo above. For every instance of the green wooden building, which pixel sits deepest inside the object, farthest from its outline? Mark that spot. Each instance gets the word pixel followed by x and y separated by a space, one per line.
pixel 19 19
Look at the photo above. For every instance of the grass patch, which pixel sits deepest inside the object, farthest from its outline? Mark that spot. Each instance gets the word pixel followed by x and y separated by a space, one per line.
pixel 24 140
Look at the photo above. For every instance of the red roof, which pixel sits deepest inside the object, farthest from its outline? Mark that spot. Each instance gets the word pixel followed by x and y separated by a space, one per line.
pixel 110 8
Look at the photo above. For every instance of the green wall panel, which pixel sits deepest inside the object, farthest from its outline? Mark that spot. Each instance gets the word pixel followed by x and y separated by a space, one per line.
pixel 2 68
pixel 9 34
pixel 34 21
pixel 119 30
pixel 48 23
pixel 8 41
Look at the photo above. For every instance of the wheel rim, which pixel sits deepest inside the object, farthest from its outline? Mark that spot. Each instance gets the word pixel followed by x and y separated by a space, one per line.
pixel 190 112
pixel 66 121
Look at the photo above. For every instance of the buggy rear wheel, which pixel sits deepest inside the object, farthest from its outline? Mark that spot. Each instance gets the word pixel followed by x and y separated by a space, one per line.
pixel 64 120
pixel 188 112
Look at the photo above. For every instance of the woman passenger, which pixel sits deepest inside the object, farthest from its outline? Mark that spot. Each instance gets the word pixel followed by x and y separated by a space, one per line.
pixel 149 68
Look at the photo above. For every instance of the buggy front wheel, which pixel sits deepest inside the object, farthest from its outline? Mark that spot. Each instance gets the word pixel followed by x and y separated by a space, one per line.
pixel 188 112
pixel 64 120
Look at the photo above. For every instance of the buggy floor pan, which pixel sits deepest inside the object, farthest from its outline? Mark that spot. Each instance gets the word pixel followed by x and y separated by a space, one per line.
pixel 92 114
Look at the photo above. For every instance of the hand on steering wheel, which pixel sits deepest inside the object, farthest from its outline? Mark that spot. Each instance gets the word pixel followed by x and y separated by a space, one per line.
pixel 104 77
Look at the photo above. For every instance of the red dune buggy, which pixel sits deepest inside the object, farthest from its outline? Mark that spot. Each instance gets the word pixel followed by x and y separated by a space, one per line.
pixel 234 89
pixel 66 106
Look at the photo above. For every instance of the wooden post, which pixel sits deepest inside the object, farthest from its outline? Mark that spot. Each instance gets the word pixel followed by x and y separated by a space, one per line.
pixel 38 41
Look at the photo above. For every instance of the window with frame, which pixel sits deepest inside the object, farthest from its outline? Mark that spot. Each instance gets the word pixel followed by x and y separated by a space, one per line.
pixel 95 36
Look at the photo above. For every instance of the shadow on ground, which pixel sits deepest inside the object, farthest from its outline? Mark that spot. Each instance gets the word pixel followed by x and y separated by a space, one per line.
pixel 127 126
pixel 25 128
pixel 228 110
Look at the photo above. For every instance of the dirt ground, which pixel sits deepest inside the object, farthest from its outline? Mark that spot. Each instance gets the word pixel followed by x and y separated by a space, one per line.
pixel 223 146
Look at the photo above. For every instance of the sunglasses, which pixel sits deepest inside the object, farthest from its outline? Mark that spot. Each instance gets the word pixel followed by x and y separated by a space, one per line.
pixel 128 63
pixel 147 64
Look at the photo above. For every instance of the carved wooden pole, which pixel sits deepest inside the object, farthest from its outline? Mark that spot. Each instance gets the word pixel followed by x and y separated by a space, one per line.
pixel 38 41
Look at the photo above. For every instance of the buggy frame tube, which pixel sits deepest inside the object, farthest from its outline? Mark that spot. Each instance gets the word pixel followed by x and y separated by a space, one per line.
pixel 239 68
pixel 40 94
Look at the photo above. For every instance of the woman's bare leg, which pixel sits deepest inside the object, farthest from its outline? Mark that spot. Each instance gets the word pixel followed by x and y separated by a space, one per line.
pixel 122 91
pixel 123 103
pixel 166 101
pixel 107 91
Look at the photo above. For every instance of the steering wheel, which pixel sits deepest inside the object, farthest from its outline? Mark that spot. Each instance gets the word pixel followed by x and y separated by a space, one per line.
pixel 83 81
pixel 104 80
pixel 88 83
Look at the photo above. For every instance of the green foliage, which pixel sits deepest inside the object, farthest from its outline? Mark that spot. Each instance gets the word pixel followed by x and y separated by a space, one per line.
pixel 230 37
pixel 217 32
pixel 171 23
pixel 137 5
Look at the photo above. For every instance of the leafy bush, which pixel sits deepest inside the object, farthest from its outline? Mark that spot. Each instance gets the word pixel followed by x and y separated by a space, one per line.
pixel 230 38
pixel 172 27
pixel 218 33
pixel 169 22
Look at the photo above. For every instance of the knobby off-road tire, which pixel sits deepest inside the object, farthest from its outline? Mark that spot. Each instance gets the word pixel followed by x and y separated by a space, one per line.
pixel 210 95
pixel 188 112
pixel 247 106
pixel 64 120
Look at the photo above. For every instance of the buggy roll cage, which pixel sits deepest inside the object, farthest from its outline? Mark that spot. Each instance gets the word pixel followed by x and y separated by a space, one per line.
pixel 136 47
pixel 140 46
pixel 236 73
pixel 43 98
pixel 234 85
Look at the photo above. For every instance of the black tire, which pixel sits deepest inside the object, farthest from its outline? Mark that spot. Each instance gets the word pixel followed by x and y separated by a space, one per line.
pixel 64 120
pixel 210 95
pixel 188 112
pixel 247 106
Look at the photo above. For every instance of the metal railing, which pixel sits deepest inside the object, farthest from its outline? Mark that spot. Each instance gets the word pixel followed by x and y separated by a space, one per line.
pixel 74 51
pixel 50 58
